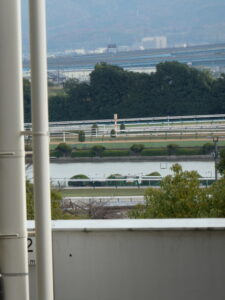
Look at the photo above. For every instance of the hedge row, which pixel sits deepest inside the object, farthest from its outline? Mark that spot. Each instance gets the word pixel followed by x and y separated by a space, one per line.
pixel 109 153
pixel 137 149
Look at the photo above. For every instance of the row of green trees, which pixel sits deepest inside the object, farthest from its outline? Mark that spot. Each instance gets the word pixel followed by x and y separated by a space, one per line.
pixel 175 89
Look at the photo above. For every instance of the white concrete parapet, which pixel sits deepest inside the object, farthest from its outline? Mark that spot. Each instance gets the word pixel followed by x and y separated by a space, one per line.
pixel 137 259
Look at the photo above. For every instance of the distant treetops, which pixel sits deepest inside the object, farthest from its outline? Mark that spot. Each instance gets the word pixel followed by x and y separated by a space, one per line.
pixel 174 89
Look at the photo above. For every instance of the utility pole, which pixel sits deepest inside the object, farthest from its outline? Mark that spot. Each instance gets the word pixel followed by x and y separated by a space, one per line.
pixel 39 90
pixel 215 141
pixel 13 232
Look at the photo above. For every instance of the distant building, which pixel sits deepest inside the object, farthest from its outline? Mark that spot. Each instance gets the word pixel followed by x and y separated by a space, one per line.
pixel 112 48
pixel 156 42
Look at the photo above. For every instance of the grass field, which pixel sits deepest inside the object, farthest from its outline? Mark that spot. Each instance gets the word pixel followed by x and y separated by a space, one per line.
pixel 98 192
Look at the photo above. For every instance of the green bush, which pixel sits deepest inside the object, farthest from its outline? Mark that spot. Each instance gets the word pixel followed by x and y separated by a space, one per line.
pixel 189 151
pixel 122 128
pixel 115 183
pixel 153 174
pixel 172 149
pixel 97 150
pixel 55 153
pixel 82 153
pixel 137 148
pixel 81 136
pixel 154 152
pixel 63 149
pixel 108 153
pixel 207 148
pixel 28 147
pixel 79 183
pixel 113 133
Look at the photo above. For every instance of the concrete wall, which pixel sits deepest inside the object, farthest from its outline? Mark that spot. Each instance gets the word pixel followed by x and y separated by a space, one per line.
pixel 138 260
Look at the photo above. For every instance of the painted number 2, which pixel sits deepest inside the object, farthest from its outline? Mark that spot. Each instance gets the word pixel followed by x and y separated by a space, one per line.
pixel 30 242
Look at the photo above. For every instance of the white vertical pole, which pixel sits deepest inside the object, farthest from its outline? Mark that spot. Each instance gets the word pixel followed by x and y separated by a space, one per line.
pixel 13 234
pixel 115 123
pixel 41 149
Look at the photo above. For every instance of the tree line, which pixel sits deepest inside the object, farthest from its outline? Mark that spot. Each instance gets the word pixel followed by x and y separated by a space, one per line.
pixel 174 89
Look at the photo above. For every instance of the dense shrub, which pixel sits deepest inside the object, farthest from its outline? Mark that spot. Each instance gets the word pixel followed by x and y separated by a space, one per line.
pixel 81 136
pixel 79 183
pixel 115 152
pixel 115 183
pixel 82 153
pixel 207 148
pixel 221 163
pixel 189 151
pixel 113 133
pixel 137 148
pixel 154 152
pixel 97 150
pixel 63 149
pixel 28 147
pixel 172 149
pixel 55 153
pixel 122 128
pixel 153 174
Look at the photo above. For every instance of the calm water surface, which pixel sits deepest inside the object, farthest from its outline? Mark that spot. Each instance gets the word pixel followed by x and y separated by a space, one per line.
pixel 104 169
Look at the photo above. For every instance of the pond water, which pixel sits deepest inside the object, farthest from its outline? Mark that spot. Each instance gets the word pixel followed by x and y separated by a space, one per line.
pixel 104 169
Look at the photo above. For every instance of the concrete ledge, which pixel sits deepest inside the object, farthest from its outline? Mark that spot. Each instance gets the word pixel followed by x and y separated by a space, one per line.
pixel 135 225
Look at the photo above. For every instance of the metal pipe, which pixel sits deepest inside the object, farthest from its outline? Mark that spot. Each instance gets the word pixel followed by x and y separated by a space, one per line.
pixel 13 234
pixel 41 149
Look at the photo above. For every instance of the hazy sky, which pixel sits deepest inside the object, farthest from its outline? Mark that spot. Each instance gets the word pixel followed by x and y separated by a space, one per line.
pixel 94 23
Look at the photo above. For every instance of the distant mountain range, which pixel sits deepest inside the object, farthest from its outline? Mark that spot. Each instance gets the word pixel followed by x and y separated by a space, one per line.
pixel 91 24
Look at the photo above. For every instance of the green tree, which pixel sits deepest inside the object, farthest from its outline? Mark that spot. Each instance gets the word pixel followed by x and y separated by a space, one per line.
pixel 221 163
pixel 56 198
pixel 180 196
pixel 27 100
pixel 174 89
pixel 64 149
pixel 30 200
pixel 218 93
pixel 108 84
pixel 214 204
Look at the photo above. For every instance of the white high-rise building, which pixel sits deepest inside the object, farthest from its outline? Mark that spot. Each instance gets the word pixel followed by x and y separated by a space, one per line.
pixel 156 42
